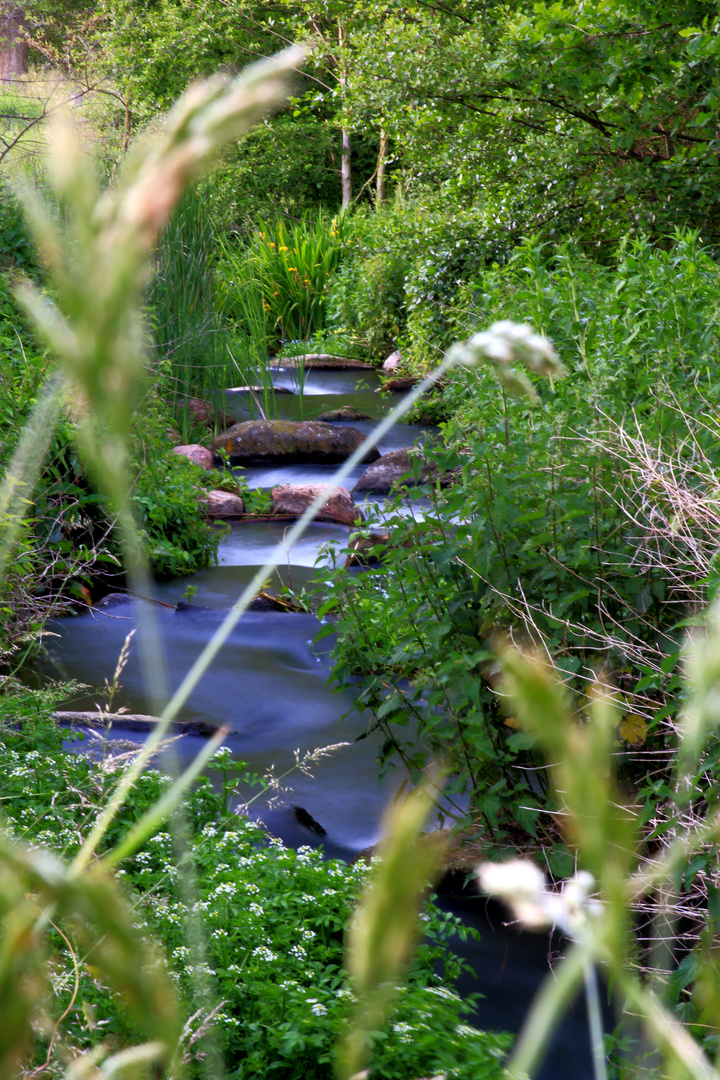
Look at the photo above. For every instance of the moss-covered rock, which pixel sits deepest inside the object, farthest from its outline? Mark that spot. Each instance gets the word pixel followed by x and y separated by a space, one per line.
pixel 289 440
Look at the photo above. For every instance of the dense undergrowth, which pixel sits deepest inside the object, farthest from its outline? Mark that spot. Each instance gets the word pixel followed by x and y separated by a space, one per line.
pixel 574 526
pixel 583 526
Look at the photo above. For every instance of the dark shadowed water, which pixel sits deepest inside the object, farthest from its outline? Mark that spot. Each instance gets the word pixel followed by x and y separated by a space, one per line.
pixel 269 683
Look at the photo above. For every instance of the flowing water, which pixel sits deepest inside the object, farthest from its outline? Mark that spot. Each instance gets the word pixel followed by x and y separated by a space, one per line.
pixel 269 683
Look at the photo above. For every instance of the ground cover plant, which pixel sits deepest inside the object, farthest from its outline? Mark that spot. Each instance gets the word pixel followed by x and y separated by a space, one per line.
pixel 262 979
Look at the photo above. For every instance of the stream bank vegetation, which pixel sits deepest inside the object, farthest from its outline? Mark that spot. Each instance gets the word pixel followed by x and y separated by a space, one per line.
pixel 582 524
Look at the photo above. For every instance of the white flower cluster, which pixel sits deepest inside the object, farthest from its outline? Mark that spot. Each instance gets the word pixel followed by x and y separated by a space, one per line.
pixel 263 953
pixel 404 1031
pixel 522 884
pixel 506 343
pixel 225 888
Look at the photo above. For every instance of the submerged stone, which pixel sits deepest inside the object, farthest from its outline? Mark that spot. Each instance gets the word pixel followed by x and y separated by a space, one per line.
pixel 387 472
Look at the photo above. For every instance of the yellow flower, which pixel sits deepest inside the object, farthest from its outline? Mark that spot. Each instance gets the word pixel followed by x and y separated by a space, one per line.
pixel 282 248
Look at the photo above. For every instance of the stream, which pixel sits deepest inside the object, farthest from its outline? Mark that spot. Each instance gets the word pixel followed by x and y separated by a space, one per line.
pixel 269 683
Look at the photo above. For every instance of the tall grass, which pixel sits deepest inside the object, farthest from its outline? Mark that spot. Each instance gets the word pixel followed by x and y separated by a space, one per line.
pixel 191 344
pixel 249 347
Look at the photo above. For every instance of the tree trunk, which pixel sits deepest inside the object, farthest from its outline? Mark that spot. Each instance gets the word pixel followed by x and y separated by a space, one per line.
pixel 346 171
pixel 345 167
pixel 380 183
pixel 13 46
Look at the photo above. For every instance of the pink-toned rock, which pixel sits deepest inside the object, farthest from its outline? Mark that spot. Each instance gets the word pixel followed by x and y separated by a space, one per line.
pixel 222 504
pixel 295 498
pixel 393 361
pixel 199 455
pixel 204 412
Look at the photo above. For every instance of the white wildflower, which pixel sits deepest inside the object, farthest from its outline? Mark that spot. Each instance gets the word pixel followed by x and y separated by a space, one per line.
pixel 522 884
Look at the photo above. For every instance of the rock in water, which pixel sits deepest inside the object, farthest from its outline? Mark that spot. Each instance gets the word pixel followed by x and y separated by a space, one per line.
pixel 199 455
pixel 345 412
pixel 402 382
pixel 222 504
pixel 289 440
pixel 386 472
pixel 295 498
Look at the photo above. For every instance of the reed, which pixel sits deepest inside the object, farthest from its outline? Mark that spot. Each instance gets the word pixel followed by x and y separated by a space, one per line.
pixel 283 273
pixel 190 341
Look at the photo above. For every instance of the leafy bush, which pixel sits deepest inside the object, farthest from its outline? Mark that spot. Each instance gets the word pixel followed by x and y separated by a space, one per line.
pixel 402 270
pixel 178 538
pixel 367 302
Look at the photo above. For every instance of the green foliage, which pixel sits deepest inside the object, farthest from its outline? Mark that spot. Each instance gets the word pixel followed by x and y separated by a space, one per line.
pixel 291 266
pixel 402 270
pixel 176 536
pixel 16 250
pixel 284 168
pixel 538 531
pixel 366 302
pixel 189 339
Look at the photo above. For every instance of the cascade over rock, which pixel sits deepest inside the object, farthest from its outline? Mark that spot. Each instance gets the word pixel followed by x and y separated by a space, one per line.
pixel 289 441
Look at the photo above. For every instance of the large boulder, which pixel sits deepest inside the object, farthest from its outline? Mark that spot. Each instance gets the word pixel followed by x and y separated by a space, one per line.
pixel 199 455
pixel 295 498
pixel 288 441
pixel 222 504
pixel 387 472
